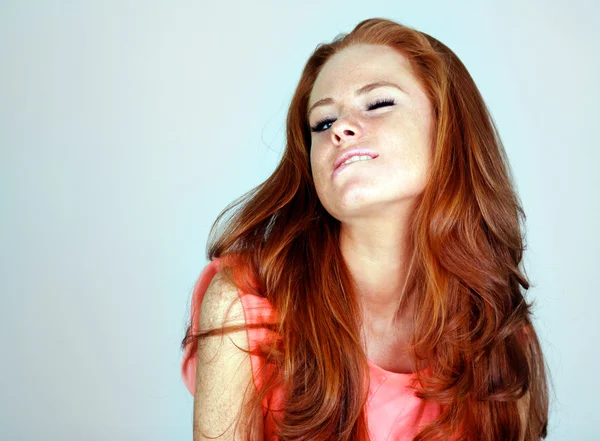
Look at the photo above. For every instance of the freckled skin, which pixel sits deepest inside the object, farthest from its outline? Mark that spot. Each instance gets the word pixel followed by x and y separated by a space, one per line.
pixel 373 199
pixel 398 133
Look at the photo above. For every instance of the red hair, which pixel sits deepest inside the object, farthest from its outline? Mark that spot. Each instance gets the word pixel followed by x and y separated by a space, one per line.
pixel 473 328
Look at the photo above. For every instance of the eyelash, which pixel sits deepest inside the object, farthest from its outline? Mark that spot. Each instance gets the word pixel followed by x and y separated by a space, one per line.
pixel 317 127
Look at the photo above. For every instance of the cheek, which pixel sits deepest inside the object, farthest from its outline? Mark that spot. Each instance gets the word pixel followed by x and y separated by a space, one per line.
pixel 409 137
pixel 407 152
pixel 320 174
pixel 316 162
pixel 314 166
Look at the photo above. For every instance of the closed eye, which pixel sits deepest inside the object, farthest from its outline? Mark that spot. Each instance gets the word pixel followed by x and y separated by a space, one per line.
pixel 381 103
pixel 319 126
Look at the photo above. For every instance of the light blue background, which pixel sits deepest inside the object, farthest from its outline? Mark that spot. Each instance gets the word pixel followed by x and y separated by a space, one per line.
pixel 126 127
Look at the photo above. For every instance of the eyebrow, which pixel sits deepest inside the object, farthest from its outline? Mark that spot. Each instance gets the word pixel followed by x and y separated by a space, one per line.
pixel 367 88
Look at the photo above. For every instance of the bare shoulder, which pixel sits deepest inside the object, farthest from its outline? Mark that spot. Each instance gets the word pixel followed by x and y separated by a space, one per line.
pixel 221 304
pixel 224 370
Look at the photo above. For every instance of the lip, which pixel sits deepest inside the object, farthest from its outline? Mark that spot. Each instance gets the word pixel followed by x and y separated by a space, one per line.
pixel 347 154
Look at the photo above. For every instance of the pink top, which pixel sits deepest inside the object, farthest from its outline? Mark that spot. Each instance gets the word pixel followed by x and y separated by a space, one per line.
pixel 394 412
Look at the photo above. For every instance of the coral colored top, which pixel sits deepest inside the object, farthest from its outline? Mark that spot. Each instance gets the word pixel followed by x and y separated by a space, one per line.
pixel 394 413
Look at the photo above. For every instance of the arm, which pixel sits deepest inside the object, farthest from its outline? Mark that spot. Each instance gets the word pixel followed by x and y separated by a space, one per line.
pixel 223 372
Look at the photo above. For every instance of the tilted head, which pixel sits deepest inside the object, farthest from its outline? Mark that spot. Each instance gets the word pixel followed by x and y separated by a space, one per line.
pixel 367 104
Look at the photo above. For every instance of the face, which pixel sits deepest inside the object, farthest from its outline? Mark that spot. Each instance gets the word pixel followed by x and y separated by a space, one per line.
pixel 391 123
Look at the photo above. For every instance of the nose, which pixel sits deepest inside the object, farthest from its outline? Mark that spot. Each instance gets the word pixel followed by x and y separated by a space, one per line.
pixel 345 129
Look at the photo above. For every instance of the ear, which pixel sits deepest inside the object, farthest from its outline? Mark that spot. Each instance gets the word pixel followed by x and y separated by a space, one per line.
pixel 523 406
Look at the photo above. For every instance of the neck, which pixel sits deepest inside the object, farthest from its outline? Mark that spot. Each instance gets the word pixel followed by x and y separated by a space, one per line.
pixel 376 256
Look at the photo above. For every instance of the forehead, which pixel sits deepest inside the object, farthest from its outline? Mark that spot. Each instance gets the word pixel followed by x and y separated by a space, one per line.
pixel 357 65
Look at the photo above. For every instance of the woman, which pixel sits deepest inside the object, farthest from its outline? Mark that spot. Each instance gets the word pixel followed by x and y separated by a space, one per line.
pixel 374 277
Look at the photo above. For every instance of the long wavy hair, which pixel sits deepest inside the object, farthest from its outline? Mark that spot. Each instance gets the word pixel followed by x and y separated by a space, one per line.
pixel 473 329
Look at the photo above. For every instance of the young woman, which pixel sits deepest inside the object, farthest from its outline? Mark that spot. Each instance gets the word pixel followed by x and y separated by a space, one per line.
pixel 370 288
